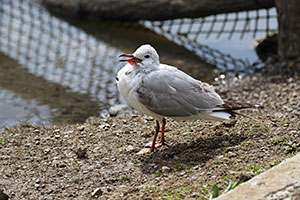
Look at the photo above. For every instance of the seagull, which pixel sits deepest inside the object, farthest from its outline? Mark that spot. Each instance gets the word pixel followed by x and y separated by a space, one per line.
pixel 161 91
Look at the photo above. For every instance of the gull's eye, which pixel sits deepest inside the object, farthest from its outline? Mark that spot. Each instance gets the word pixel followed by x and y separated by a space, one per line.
pixel 147 56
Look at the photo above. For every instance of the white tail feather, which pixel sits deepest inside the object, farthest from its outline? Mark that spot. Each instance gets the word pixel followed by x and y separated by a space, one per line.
pixel 220 115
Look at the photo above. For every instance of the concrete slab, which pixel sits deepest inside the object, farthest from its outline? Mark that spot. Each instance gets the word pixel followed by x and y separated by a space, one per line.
pixel 280 182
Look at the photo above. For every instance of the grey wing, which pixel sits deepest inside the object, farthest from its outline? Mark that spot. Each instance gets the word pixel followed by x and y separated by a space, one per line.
pixel 173 93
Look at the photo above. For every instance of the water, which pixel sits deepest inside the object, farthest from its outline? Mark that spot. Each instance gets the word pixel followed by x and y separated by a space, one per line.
pixel 56 70
pixel 64 71
pixel 15 108
pixel 224 40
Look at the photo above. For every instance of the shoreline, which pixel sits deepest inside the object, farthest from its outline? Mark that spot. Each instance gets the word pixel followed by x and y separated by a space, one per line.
pixel 97 159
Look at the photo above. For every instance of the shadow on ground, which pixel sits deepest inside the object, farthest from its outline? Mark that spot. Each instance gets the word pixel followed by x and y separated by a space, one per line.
pixel 189 154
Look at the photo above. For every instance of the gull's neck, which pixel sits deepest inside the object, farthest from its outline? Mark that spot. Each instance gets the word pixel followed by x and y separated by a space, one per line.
pixel 145 69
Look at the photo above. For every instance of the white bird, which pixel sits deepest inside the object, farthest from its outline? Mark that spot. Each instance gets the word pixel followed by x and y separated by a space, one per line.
pixel 161 91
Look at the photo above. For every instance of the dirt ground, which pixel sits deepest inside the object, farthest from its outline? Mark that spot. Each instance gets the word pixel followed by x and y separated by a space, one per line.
pixel 97 160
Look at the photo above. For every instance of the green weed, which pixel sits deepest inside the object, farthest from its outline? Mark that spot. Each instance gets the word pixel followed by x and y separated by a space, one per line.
pixel 274 163
pixel 179 166
pixel 278 140
pixel 217 161
pixel 190 127
pixel 3 141
pixel 124 178
pixel 178 194
pixel 256 169
pixel 215 191
pixel 247 142
pixel 292 148
pixel 25 125
pixel 256 128
pixel 77 167
pixel 119 145
pixel 158 174
pixel 95 123
pixel 75 180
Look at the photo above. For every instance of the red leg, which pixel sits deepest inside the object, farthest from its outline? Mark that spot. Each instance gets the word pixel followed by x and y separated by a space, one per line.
pixel 154 145
pixel 155 136
pixel 163 131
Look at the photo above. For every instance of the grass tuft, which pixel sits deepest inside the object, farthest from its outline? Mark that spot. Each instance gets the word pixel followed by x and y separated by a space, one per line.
pixel 25 125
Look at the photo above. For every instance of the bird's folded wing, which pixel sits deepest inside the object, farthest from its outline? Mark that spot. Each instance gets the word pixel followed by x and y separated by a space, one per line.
pixel 172 93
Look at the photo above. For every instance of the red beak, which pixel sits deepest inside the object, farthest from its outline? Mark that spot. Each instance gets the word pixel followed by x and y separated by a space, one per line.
pixel 131 59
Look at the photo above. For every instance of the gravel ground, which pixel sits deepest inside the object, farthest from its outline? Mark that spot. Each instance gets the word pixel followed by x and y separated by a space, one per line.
pixel 97 160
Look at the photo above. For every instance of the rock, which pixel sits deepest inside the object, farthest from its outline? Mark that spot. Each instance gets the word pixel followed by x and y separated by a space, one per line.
pixel 81 128
pixel 165 169
pixel 49 191
pixel 3 196
pixel 129 148
pixel 97 192
pixel 230 123
pixel 68 132
pixel 118 109
pixel 46 151
pixel 290 80
pixel 271 184
pixel 294 132
pixel 36 131
pixel 279 115
pixel 225 143
pixel 195 195
pixel 105 126
pixel 96 149
pixel 28 145
pixel 81 153
pixel 61 165
pixel 244 176
pixel 104 114
pixel 37 181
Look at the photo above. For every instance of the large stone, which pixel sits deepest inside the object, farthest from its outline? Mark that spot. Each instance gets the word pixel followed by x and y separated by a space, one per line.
pixel 279 182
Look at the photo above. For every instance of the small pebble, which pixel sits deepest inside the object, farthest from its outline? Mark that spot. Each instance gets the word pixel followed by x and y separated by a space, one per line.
pixel 36 131
pixel 165 169
pixel 38 181
pixel 129 148
pixel 81 153
pixel 28 145
pixel 81 128
pixel 49 191
pixel 194 195
pixel 97 192
pixel 46 151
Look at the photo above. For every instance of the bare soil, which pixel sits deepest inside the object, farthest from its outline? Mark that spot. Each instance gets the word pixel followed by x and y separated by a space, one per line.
pixel 97 160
